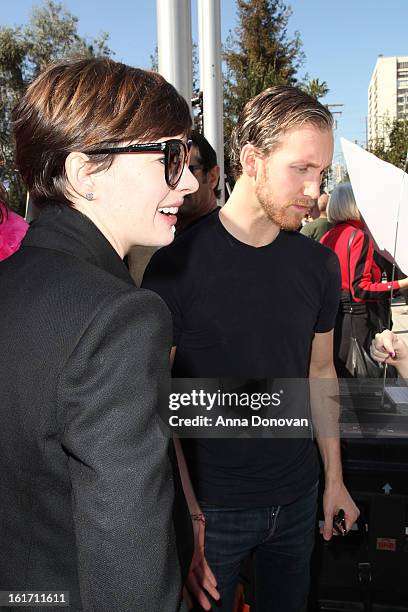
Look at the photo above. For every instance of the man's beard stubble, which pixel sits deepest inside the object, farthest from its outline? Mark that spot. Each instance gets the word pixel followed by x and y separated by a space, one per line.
pixel 283 216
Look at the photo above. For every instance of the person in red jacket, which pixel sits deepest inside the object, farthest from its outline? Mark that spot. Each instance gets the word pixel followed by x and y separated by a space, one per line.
pixel 362 289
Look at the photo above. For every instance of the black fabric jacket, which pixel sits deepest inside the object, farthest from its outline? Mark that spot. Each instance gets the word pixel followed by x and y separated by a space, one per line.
pixel 87 477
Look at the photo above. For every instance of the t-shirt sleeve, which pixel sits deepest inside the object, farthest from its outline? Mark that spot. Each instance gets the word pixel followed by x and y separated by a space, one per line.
pixel 164 277
pixel 330 295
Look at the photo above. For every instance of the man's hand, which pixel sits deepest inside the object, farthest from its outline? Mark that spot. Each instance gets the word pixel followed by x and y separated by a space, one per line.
pixel 337 497
pixel 200 580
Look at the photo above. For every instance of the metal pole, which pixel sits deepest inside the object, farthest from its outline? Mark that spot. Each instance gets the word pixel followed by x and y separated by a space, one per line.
pixel 209 15
pixel 201 45
pixel 174 44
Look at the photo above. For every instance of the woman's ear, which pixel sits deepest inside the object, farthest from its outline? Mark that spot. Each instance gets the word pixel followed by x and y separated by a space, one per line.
pixel 79 174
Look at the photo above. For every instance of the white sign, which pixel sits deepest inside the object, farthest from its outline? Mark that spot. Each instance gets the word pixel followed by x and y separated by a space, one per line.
pixel 381 193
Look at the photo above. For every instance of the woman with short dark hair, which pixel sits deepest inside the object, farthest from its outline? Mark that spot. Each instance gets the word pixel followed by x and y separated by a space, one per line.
pixel 87 478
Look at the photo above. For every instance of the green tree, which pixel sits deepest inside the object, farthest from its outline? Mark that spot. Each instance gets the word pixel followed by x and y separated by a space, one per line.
pixel 154 60
pixel 316 88
pixel 24 52
pixel 393 147
pixel 258 54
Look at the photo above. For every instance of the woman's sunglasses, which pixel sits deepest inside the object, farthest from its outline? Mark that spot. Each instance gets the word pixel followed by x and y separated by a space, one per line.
pixel 176 156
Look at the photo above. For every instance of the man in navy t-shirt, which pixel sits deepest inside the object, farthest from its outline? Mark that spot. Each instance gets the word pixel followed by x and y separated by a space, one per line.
pixel 252 298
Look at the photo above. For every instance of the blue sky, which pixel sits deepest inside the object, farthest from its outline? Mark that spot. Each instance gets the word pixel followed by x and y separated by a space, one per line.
pixel 341 40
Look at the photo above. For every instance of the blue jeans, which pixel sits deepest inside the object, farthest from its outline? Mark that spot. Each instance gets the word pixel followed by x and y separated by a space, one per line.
pixel 282 539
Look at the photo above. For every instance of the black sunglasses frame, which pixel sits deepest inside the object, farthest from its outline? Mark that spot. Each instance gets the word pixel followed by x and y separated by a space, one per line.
pixel 152 147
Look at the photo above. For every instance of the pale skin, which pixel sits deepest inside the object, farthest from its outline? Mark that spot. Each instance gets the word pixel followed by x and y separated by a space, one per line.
pixel 325 416
pixel 403 283
pixel 127 197
pixel 276 191
pixel 389 348
pixel 290 176
pixel 200 579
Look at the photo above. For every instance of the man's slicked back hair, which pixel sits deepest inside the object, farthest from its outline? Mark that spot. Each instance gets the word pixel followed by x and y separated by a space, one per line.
pixel 266 117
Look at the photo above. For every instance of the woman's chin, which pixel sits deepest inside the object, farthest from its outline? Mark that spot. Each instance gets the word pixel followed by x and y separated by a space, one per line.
pixel 158 238
pixel 170 235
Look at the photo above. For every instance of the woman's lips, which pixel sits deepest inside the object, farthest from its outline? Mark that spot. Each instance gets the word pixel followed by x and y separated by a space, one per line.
pixel 169 213
pixel 170 219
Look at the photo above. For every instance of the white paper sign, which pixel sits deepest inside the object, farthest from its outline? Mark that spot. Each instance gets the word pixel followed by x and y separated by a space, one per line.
pixel 381 193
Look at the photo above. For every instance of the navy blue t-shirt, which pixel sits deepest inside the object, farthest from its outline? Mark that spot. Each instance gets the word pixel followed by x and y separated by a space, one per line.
pixel 242 311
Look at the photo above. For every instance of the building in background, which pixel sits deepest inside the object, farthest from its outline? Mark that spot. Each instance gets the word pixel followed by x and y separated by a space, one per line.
pixel 387 95
pixel 339 173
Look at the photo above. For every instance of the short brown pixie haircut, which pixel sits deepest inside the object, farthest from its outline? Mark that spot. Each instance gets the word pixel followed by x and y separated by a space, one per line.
pixel 266 117
pixel 77 105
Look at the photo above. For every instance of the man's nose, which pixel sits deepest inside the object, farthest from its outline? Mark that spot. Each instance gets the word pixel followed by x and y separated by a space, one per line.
pixel 312 189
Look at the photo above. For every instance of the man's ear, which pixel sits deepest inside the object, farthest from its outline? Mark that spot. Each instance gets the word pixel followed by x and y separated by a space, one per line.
pixel 79 173
pixel 249 158
pixel 213 176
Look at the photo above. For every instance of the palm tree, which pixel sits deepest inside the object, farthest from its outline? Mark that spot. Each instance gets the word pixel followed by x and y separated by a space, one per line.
pixel 317 89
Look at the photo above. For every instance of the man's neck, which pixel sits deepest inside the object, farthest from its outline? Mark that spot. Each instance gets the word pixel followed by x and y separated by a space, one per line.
pixel 244 218
pixel 323 215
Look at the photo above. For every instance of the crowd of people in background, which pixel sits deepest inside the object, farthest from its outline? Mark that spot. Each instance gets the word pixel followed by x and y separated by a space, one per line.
pixel 317 226
pixel 365 306
pixel 365 296
pixel 103 504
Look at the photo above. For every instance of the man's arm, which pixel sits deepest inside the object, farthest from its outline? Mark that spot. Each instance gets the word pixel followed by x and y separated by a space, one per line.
pixel 325 414
pixel 117 455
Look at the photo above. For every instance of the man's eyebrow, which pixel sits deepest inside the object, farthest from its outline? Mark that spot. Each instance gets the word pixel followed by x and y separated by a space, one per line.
pixel 309 164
